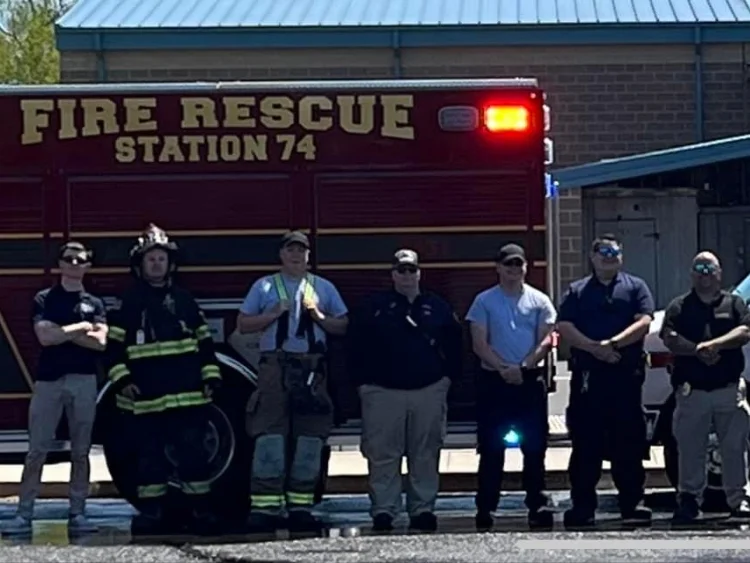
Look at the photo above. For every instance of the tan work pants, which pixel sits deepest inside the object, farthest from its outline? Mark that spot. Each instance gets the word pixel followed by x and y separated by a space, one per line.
pixel 398 423
pixel 727 411
pixel 277 482
pixel 75 394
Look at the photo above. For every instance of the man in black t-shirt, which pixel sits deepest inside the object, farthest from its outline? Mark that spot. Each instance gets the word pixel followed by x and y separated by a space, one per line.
pixel 706 329
pixel 70 324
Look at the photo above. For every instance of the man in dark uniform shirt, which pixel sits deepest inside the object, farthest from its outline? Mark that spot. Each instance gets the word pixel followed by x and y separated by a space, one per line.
pixel 605 318
pixel 706 329
pixel 406 348
pixel 70 324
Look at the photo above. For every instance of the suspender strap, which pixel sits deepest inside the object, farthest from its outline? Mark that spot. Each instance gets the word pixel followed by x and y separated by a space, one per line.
pixel 305 323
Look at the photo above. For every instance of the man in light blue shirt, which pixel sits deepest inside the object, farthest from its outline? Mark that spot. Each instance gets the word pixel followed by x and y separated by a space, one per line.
pixel 511 324
pixel 295 311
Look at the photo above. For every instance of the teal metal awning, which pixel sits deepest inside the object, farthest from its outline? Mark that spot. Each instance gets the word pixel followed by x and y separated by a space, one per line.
pixel 615 170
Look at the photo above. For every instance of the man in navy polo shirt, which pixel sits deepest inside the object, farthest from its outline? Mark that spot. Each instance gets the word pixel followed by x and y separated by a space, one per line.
pixel 70 324
pixel 605 317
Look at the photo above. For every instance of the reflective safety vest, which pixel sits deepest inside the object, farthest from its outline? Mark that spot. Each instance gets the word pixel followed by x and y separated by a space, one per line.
pixel 305 327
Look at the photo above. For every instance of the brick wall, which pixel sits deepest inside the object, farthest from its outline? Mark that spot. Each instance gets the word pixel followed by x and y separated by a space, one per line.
pixel 606 101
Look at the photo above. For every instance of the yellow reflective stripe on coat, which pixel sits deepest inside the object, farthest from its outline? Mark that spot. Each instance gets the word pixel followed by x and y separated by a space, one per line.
pixel 157 349
pixel 196 487
pixel 152 491
pixel 300 499
pixel 116 333
pixel 203 332
pixel 309 282
pixel 178 400
pixel 267 501
pixel 210 372
pixel 117 372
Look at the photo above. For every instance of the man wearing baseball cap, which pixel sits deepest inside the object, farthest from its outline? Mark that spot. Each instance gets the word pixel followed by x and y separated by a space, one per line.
pixel 295 311
pixel 406 349
pixel 511 324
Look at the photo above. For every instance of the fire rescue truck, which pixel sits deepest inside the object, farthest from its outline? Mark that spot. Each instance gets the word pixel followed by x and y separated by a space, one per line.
pixel 452 169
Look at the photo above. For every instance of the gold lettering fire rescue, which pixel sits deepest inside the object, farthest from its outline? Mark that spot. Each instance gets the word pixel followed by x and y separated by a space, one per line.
pixel 247 128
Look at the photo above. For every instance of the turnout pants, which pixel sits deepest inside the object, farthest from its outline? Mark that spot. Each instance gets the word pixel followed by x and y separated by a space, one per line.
pixel 726 411
pixel 289 418
pixel 605 421
pixel 397 423
pixel 75 394
pixel 171 451
pixel 502 407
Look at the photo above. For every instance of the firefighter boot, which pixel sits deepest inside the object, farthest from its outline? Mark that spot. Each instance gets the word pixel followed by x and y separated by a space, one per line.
pixel 203 520
pixel 260 522
pixel 150 520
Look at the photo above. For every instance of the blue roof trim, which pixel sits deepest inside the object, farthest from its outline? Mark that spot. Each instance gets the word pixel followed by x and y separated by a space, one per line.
pixel 635 166
pixel 150 14
pixel 80 39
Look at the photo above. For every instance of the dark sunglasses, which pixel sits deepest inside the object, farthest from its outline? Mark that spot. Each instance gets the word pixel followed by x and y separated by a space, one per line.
pixel 704 269
pixel 514 263
pixel 407 269
pixel 608 251
pixel 75 260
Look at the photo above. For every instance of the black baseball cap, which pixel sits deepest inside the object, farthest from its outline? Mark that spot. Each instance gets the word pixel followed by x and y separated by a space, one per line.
pixel 295 237
pixel 406 257
pixel 510 251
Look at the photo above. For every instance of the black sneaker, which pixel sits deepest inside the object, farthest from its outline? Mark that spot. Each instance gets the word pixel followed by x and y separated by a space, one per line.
pixel 638 515
pixel 424 522
pixel 742 511
pixel 687 510
pixel 382 523
pixel 542 518
pixel 574 518
pixel 484 521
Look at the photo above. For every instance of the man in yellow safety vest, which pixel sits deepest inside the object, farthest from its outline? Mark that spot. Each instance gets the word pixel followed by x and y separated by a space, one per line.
pixel 291 410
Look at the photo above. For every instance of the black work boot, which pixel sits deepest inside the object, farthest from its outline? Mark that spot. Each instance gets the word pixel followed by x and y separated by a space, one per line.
pixel 423 522
pixel 149 521
pixel 303 521
pixel 639 515
pixel 264 522
pixel 688 509
pixel 203 520
pixel 541 512
pixel 576 519
pixel 382 522
pixel 484 521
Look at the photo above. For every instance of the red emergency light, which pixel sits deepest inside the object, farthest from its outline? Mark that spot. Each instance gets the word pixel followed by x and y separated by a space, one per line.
pixel 506 118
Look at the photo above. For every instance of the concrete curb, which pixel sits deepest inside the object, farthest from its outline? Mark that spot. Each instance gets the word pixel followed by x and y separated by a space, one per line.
pixel 357 484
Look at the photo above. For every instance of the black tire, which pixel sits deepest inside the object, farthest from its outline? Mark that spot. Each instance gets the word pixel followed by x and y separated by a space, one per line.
pixel 230 460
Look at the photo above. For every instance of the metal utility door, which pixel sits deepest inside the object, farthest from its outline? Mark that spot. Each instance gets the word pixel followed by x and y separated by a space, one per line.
pixel 640 240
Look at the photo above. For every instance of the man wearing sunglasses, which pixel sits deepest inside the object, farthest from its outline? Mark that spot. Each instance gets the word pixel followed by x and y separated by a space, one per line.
pixel 605 318
pixel 406 349
pixel 706 329
pixel 70 324
pixel 511 324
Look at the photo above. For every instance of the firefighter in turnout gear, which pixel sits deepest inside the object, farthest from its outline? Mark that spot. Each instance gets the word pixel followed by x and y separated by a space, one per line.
pixel 162 364
pixel 290 415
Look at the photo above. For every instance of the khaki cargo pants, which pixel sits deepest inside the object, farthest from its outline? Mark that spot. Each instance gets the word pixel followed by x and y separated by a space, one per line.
pixel 75 394
pixel 727 411
pixel 281 432
pixel 398 423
